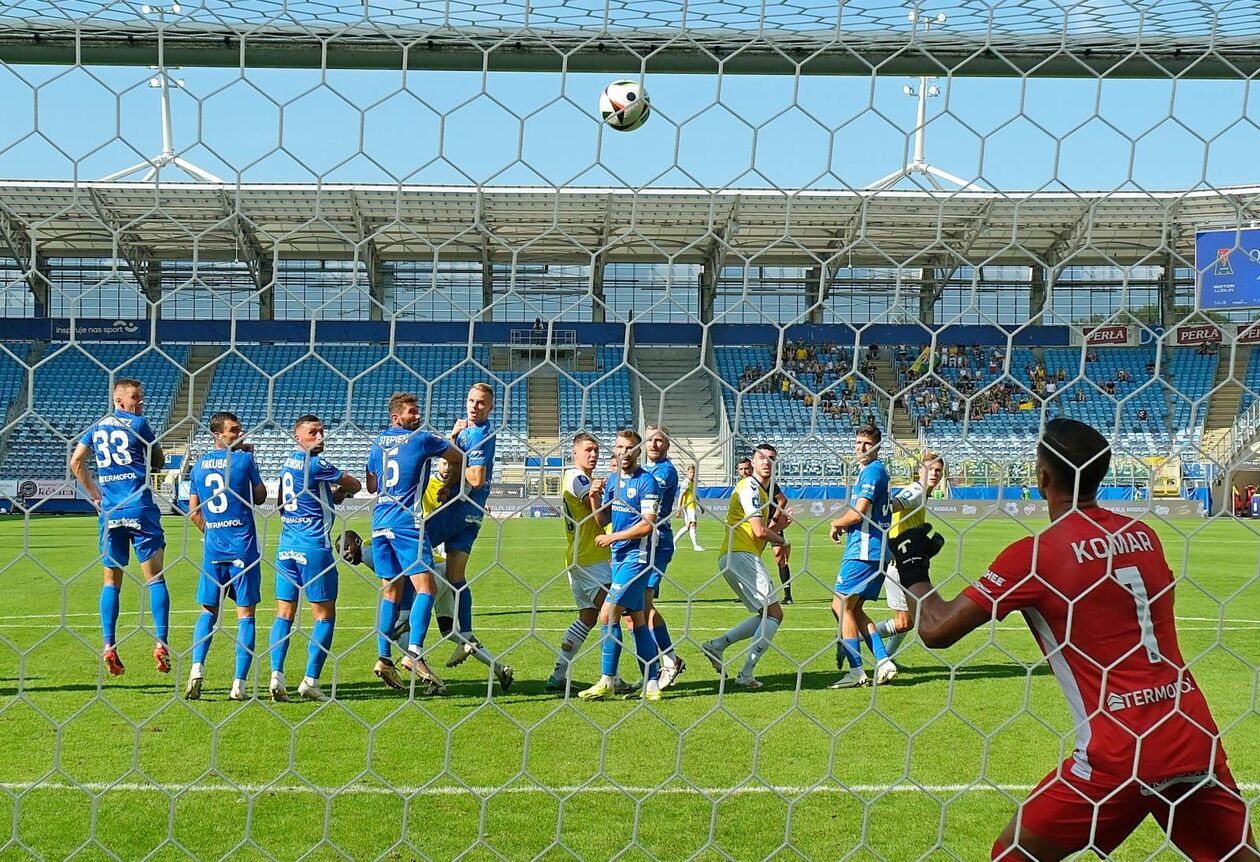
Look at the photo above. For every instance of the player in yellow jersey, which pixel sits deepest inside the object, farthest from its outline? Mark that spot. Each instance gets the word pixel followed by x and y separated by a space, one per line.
pixel 687 506
pixel 588 566
pixel 750 526
pixel 909 507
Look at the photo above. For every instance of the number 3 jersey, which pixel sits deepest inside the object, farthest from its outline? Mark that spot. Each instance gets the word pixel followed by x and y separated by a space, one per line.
pixel 121 444
pixel 224 482
pixel 1097 593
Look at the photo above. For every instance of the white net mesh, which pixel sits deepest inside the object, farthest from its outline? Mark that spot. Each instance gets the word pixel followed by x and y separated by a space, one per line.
pixel 281 209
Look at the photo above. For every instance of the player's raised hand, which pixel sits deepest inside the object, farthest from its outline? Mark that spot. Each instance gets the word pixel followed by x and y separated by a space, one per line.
pixel 460 425
pixel 597 487
pixel 913 550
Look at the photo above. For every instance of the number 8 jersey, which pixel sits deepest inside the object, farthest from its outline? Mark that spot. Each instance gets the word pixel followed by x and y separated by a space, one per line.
pixel 306 501
pixel 121 445
pixel 1097 593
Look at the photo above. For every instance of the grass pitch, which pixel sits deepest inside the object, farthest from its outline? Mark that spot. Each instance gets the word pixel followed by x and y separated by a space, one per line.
pixel 930 767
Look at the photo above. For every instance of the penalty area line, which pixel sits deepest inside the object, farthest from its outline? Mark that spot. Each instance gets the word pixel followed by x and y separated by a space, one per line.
pixel 360 789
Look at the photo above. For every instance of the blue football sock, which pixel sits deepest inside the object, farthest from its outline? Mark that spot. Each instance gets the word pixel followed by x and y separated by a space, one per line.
pixel 386 616
pixel 421 616
pixel 245 636
pixel 202 632
pixel 464 609
pixel 663 642
pixel 853 650
pixel 109 613
pixel 279 643
pixel 160 607
pixel 321 646
pixel 647 650
pixel 610 649
pixel 876 645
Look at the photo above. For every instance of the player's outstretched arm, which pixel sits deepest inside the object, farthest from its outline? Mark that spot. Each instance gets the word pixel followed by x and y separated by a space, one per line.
pixel 941 623
pixel 78 468
pixel 455 469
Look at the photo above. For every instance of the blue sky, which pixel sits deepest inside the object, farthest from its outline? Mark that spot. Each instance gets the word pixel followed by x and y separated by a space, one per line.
pixel 518 128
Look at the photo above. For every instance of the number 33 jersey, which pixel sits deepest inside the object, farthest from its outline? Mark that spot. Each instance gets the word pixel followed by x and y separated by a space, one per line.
pixel 120 444
pixel 1097 593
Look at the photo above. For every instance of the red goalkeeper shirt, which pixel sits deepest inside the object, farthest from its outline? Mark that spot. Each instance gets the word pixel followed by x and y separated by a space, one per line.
pixel 1097 593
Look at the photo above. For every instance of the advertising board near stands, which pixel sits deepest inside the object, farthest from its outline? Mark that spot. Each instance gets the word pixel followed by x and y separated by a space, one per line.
pixel 1112 334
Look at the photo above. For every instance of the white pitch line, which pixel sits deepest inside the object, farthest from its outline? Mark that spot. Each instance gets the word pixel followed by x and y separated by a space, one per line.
pixel 100 787
pixel 542 609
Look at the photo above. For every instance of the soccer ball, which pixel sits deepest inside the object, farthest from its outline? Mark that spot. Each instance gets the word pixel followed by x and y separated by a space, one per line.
pixel 625 105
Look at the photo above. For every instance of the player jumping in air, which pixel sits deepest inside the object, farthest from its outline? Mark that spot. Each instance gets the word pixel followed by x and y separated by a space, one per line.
pixel 310 487
pixel 1097 594
pixel 909 511
pixel 749 528
pixel 588 565
pixel 126 450
pixel 226 485
pixel 861 569
pixel 457 523
pixel 630 503
pixel 398 473
pixel 687 506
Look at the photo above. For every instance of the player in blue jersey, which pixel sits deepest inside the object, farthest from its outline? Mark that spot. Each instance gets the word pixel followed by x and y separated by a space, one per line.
pixel 863 527
pixel 631 505
pixel 398 472
pixel 667 482
pixel 310 487
pixel 457 523
pixel 226 486
pixel 125 450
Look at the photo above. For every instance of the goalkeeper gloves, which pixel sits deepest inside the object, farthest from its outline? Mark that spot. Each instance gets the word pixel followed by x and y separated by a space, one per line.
pixel 913 551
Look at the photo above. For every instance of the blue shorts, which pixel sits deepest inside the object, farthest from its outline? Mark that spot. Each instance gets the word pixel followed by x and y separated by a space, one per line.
pixel 860 578
pixel 397 553
pixel 629 581
pixel 660 562
pixel 240 579
pixel 455 526
pixel 311 569
pixel 141 528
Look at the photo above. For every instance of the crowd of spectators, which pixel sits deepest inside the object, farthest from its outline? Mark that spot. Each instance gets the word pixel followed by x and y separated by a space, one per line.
pixel 825 373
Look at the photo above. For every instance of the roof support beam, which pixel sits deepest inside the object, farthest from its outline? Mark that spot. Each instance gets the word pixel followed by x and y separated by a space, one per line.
pixel 365 248
pixel 141 260
pixel 714 261
pixel 933 284
pixel 262 266
pixel 20 244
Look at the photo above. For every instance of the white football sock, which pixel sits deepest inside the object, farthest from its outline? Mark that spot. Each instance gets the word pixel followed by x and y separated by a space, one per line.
pixel 765 633
pixel 741 632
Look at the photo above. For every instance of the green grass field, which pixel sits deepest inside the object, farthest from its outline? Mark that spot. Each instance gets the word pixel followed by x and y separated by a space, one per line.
pixel 930 767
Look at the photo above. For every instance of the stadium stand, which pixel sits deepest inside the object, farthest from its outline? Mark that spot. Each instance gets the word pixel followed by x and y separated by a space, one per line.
pixel 597 401
pixel 39 443
pixel 813 433
pixel 348 386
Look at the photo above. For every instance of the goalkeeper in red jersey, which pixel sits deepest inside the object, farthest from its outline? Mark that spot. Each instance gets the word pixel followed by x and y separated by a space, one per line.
pixel 1097 594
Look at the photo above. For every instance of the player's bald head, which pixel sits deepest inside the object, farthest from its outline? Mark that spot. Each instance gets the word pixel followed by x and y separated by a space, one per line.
pixel 1074 457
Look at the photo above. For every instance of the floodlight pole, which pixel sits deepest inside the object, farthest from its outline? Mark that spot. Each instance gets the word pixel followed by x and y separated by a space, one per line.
pixel 162 82
pixel 918 162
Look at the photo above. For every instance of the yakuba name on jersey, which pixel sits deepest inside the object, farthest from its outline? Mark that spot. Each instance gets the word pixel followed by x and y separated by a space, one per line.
pixel 1128 542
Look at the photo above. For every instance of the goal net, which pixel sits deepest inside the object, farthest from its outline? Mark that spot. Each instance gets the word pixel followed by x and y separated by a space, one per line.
pixel 955 225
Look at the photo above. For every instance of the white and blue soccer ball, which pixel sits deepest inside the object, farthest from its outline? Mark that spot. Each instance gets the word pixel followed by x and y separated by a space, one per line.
pixel 625 105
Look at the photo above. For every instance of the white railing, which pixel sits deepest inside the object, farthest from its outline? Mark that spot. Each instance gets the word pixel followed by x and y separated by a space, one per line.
pixel 1239 435
pixel 541 338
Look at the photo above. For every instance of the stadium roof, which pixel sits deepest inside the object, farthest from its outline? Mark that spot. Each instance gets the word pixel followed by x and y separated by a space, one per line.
pixel 180 221
pixel 1193 38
